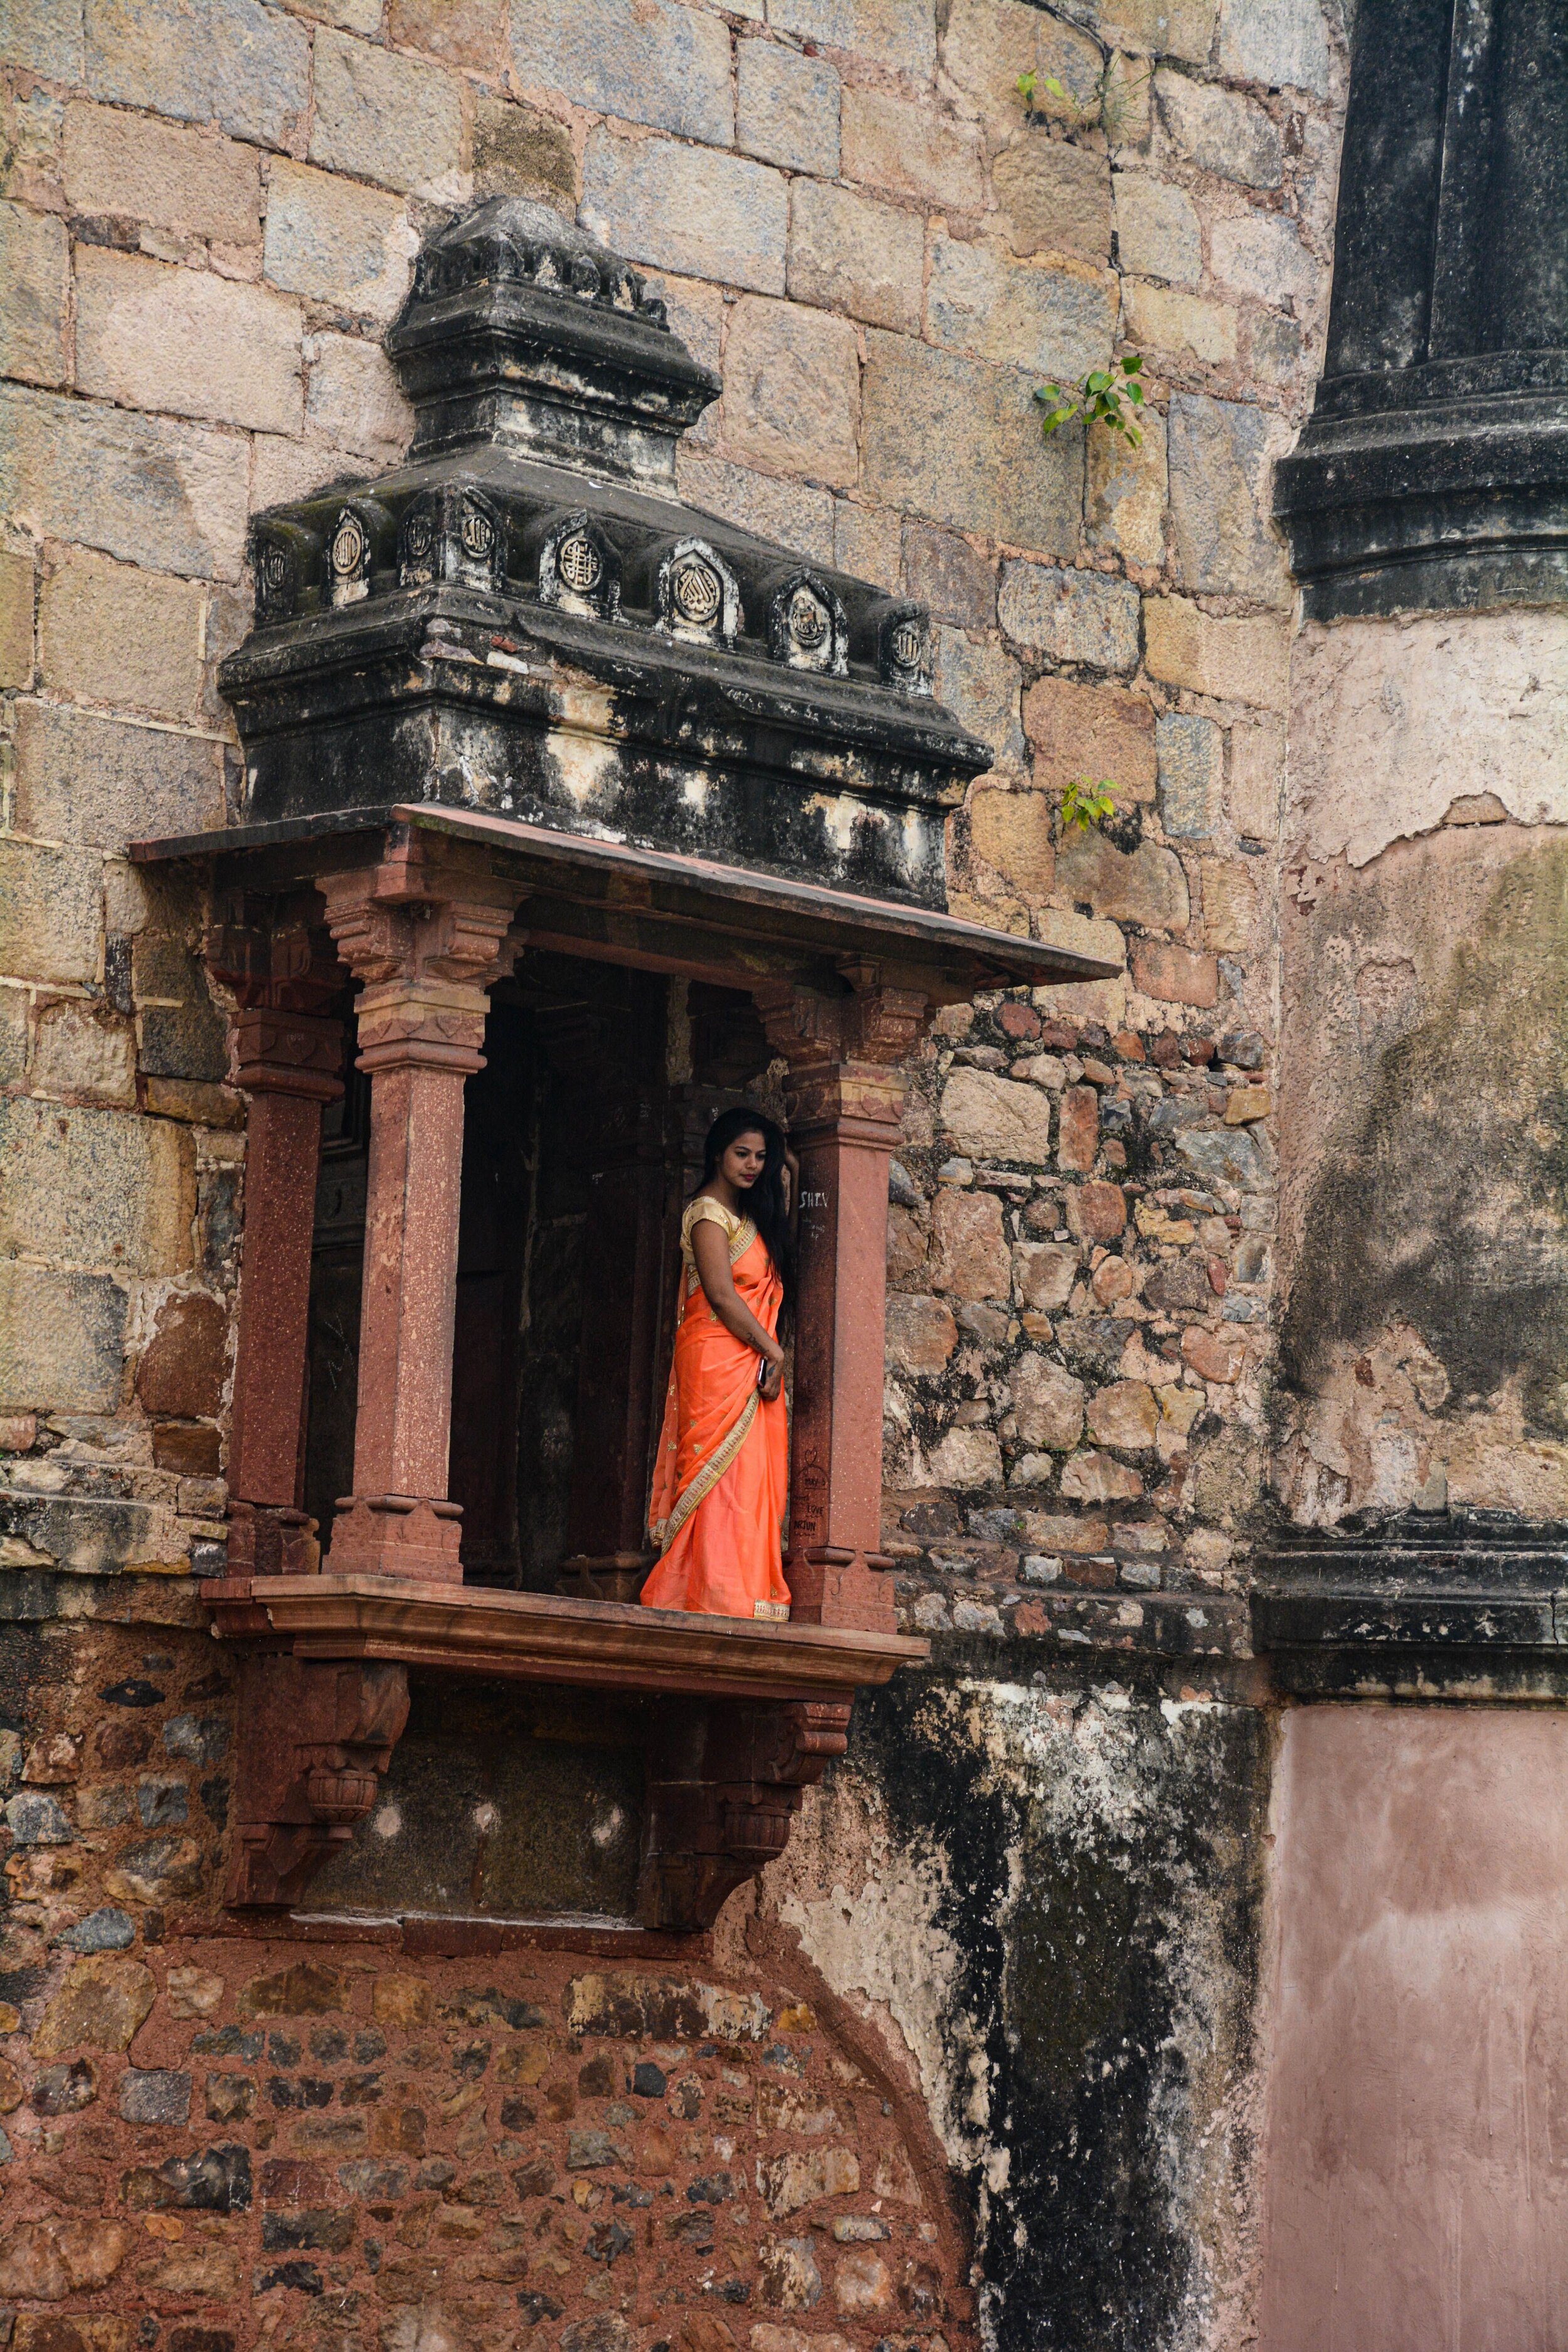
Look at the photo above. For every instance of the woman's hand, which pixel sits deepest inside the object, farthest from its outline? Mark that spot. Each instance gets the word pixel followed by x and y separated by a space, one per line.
pixel 772 1387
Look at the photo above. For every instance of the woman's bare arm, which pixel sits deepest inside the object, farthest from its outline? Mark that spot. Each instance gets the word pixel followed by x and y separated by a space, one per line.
pixel 710 1248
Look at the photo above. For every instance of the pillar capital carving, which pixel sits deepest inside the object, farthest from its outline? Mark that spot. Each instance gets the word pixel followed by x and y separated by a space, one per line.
pixel 428 938
pixel 272 959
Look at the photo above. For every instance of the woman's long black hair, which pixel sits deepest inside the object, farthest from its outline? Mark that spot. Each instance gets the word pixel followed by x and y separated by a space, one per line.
pixel 765 1201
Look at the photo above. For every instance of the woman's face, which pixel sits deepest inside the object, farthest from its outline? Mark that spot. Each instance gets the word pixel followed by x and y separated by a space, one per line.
pixel 744 1159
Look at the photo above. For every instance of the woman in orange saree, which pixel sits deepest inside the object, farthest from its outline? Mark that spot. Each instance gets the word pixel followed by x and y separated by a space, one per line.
pixel 720 1484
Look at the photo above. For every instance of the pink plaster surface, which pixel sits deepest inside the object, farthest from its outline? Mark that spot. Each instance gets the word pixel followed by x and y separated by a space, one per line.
pixel 1415 2136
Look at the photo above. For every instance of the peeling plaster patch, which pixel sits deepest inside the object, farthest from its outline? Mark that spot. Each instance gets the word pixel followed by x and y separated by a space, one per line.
pixel 1387 717
pixel 586 768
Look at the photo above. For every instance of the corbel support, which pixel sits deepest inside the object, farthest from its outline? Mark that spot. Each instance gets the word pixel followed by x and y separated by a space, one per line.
pixel 314 1737
pixel 426 933
pixel 286 1058
pixel 724 1785
pixel 845 1099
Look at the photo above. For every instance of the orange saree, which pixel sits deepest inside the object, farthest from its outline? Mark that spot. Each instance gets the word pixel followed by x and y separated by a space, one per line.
pixel 721 1485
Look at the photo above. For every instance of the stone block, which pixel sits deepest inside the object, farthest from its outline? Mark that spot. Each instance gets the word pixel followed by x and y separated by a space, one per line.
pixel 1230 906
pixel 105 781
pixel 168 495
pixel 1074 616
pixel 704 214
pixel 518 151
pixel 645 60
pixel 921 1335
pixel 44 38
pixel 1100 731
pixel 980 683
pixel 862 2287
pixel 1124 1415
pixel 353 397
pixel 786 107
pixel 1283 44
pixel 898 34
pixel 853 253
pixel 1190 750
pixel 1157 229
pixel 787 2280
pixel 986 44
pixel 1261 255
pixel 948 576
pixel 101 2005
pixel 1011 831
pixel 988 1117
pixel 337 243
pixel 792 391
pixel 1219 130
pixel 114 632
pixel 1257 767
pixel 1125 509
pixel 1274 348
pixel 1220 474
pixel 459 32
pixel 49 913
pixel 1216 1356
pixel 891 142
pixel 1159 320
pixel 959 441
pixel 1060 321
pixel 35 1817
pixel 385 117
pixel 1174 28
pixel 868 543
pixel 1174 975
pixel 34 287
pixel 94 1188
pixel 1047 1404
pixel 799 517
pixel 1144 886
pixel 14 1011
pixel 973 1259
pixel 182 1369
pixel 1096 1479
pixel 17 578
pixel 187 341
pixel 236 62
pixel 83 1052
pixel 1044 1273
pixel 1057 197
pixel 154 2095
pixel 1234 660
pixel 1078 1129
pixel 134 167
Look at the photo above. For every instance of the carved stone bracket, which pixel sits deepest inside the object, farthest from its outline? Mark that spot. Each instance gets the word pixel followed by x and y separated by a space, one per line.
pixel 724 1786
pixel 314 1739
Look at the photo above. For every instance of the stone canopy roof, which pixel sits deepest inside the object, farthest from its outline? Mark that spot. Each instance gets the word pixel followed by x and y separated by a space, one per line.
pixel 525 618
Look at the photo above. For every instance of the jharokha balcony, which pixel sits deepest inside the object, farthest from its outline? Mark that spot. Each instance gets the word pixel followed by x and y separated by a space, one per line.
pixel 571 817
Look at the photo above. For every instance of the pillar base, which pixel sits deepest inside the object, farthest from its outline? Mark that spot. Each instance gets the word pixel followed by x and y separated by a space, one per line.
pixel 830 1587
pixel 396 1535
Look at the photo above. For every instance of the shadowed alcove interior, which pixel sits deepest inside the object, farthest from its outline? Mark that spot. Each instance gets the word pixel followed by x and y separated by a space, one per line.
pixel 581 1138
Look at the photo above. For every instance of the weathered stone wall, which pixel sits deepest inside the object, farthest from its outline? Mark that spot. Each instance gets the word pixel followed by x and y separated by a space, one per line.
pixel 1422 1226
pixel 209 220
pixel 214 2135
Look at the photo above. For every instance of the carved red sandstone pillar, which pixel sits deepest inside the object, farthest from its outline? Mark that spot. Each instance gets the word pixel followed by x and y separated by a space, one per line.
pixel 846 1104
pixel 426 936
pixel 287 1058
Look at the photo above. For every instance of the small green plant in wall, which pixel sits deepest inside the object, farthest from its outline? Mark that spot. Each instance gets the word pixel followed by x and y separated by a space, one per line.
pixel 1111 396
pixel 1085 805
